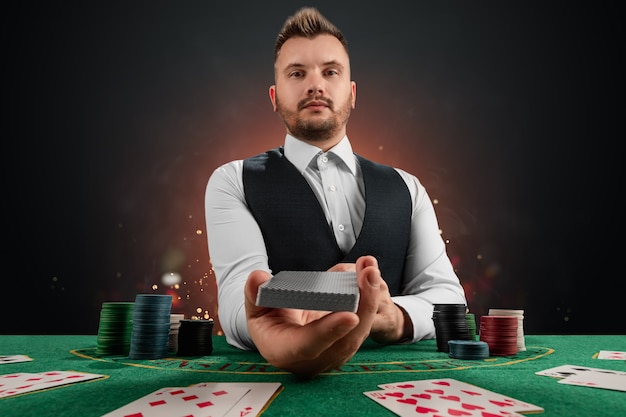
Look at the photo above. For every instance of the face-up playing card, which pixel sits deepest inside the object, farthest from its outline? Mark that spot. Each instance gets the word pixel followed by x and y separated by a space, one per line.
pixel 446 397
pixel 13 380
pixel 612 355
pixel 604 380
pixel 182 402
pixel 14 359
pixel 587 377
pixel 20 383
pixel 565 371
pixel 253 402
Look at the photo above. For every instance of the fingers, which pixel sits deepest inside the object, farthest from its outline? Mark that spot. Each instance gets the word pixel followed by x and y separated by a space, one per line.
pixel 307 344
pixel 343 267
pixel 370 284
pixel 287 336
pixel 386 325
pixel 365 261
pixel 339 335
pixel 319 335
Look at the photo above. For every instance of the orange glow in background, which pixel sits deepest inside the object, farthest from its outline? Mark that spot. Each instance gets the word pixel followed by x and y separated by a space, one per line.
pixel 508 113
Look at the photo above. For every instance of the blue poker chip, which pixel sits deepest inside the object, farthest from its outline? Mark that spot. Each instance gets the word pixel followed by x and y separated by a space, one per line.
pixel 468 349
pixel 151 326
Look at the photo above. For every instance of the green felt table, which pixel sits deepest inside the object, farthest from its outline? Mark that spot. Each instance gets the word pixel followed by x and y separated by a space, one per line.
pixel 336 393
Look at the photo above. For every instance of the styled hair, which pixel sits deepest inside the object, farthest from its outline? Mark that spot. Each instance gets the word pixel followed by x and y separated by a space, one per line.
pixel 307 22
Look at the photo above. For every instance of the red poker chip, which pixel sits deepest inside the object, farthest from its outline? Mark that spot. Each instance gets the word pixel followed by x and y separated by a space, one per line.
pixel 500 333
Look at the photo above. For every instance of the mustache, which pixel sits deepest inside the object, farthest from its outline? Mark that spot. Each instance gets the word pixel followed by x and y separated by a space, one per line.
pixel 305 102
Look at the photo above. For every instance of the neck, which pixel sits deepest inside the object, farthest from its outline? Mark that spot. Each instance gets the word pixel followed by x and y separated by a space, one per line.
pixel 324 143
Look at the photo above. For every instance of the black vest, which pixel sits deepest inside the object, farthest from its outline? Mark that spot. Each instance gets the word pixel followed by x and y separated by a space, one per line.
pixel 296 233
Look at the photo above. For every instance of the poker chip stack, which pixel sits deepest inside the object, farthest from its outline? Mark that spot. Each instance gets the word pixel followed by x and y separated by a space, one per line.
pixel 521 342
pixel 450 324
pixel 115 328
pixel 151 326
pixel 174 328
pixel 500 333
pixel 471 326
pixel 468 349
pixel 195 337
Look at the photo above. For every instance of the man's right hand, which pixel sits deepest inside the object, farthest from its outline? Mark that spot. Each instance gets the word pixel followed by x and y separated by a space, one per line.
pixel 307 342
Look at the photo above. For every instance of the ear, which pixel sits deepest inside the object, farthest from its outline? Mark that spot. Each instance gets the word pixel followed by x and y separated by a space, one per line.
pixel 353 85
pixel 272 93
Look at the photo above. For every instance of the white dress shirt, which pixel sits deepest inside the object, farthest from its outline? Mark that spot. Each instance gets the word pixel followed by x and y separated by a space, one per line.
pixel 237 248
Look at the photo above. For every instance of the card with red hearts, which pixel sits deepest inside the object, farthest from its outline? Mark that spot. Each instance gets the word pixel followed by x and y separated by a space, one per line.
pixel 447 397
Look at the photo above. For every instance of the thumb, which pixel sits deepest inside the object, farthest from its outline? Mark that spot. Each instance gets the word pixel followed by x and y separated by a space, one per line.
pixel 255 279
pixel 369 281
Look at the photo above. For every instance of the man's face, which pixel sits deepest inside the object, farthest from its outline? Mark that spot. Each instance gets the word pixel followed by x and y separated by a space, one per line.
pixel 313 94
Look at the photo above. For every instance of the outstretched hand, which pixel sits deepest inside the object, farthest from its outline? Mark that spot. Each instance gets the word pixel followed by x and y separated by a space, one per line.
pixel 307 342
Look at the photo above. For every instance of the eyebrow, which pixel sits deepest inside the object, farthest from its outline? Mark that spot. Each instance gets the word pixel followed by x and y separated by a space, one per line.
pixel 325 64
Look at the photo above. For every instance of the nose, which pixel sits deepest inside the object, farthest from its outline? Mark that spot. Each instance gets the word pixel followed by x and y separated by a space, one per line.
pixel 316 85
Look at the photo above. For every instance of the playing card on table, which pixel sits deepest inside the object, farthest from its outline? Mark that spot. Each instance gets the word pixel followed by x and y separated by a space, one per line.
pixel 13 380
pixel 20 383
pixel 612 355
pixel 447 397
pixel 14 359
pixel 603 380
pixel 182 402
pixel 253 402
pixel 564 371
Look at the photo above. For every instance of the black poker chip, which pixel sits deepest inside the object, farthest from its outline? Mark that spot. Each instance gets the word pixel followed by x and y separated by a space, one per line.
pixel 151 326
pixel 195 337
pixel 450 324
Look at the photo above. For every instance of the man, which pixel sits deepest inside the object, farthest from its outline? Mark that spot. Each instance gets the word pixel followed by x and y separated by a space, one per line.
pixel 313 204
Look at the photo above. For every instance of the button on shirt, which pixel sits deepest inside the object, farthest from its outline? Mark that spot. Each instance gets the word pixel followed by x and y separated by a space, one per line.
pixel 334 177
pixel 237 248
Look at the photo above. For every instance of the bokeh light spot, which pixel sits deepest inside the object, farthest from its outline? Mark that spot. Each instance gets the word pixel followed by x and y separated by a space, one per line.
pixel 171 278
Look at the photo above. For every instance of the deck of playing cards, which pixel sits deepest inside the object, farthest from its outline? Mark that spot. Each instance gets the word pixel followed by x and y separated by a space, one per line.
pixel 209 399
pixel 447 397
pixel 310 290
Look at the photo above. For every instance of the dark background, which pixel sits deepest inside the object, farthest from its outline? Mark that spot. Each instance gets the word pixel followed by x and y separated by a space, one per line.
pixel 511 114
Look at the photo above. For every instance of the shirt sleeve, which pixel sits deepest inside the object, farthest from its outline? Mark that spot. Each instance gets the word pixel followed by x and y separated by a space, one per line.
pixel 236 247
pixel 429 276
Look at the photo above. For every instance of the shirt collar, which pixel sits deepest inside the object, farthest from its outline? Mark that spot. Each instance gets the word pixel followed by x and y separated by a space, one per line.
pixel 300 153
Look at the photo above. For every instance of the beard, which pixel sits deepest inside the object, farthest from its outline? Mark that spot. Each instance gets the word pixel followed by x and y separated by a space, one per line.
pixel 315 130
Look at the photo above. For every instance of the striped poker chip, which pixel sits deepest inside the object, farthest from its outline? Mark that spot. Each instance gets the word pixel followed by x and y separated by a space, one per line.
pixel 151 326
pixel 195 337
pixel 114 328
pixel 468 349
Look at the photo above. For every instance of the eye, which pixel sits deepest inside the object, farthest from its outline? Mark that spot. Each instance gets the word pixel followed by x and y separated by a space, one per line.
pixel 295 74
pixel 332 72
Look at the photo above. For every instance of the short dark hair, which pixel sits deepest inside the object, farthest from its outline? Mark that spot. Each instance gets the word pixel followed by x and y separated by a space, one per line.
pixel 307 22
